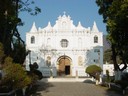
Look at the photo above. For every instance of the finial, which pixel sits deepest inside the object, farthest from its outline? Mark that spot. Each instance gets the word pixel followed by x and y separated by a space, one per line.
pixel 33 29
pixel 64 12
pixel 49 24
pixel 94 27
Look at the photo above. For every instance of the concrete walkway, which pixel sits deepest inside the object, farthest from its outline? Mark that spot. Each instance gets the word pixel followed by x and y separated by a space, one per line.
pixel 72 89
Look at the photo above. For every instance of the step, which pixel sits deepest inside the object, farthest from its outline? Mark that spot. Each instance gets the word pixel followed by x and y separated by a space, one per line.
pixel 65 79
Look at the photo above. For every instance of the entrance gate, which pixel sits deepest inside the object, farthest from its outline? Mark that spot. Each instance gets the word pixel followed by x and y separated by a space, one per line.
pixel 67 70
pixel 64 67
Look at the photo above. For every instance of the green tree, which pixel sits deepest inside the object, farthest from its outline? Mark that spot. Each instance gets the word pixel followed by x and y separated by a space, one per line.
pixel 108 57
pixel 19 52
pixel 1 55
pixel 9 20
pixel 115 15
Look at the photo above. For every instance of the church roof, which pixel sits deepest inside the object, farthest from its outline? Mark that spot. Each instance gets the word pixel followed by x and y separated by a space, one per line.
pixel 94 28
pixel 48 27
pixel 33 29
pixel 79 26
pixel 64 23
pixel 49 24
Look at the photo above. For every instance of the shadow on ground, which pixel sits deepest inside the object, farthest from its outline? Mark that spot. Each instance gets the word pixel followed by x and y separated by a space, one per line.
pixel 38 87
pixel 88 81
pixel 113 91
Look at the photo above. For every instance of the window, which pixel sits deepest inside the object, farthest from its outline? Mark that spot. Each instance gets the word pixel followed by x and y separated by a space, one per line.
pixel 32 40
pixel 64 43
pixel 96 50
pixel 96 61
pixel 95 39
pixel 48 61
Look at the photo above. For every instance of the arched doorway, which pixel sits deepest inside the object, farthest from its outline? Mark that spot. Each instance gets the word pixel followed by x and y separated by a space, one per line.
pixel 64 66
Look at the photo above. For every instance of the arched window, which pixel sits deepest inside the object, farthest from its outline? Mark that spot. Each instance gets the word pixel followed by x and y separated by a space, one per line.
pixel 32 40
pixel 64 43
pixel 48 61
pixel 80 60
pixel 95 39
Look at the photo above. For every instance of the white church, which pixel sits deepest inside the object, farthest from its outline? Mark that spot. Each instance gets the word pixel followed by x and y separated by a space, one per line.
pixel 64 49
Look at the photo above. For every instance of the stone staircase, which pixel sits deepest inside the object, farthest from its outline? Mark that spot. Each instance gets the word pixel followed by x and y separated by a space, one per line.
pixel 51 79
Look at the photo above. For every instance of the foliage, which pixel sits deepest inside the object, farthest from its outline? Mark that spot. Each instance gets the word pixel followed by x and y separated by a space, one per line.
pixel 108 76
pixel 8 61
pixel 1 54
pixel 15 75
pixel 26 5
pixel 33 70
pixel 33 77
pixel 104 6
pixel 33 66
pixel 94 71
pixel 13 45
pixel 108 57
pixel 115 15
pixel 19 52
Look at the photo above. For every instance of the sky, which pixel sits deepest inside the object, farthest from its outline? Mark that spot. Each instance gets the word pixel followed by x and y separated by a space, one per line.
pixel 85 11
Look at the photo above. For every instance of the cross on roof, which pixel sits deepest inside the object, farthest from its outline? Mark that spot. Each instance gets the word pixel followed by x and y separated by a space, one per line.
pixel 64 12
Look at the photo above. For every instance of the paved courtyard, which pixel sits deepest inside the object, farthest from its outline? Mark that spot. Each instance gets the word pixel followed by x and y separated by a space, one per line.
pixel 73 89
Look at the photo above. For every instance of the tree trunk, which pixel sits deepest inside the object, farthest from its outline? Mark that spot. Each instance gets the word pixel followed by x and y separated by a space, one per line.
pixel 116 67
pixel 97 82
pixel 123 61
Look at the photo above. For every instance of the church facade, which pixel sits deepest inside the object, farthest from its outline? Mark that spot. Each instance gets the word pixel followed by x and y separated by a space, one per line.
pixel 64 48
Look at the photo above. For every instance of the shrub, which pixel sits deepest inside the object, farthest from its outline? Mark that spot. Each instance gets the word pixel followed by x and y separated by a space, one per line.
pixel 108 79
pixel 94 71
pixel 14 75
pixel 33 70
